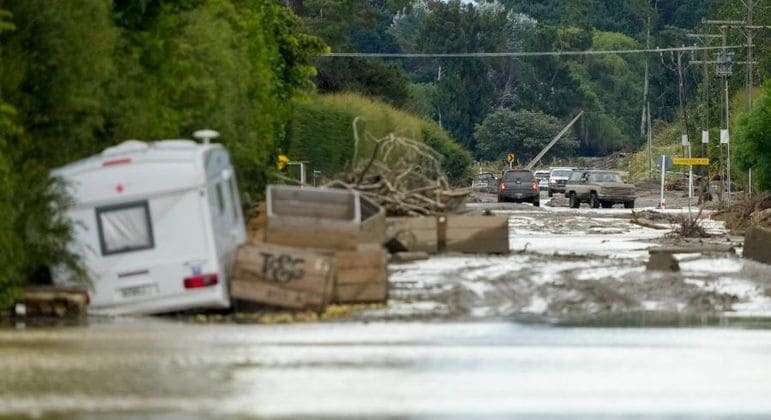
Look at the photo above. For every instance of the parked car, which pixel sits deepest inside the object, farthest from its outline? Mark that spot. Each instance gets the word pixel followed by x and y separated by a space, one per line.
pixel 599 189
pixel 519 185
pixel 485 182
pixel 543 179
pixel 557 180
pixel 156 224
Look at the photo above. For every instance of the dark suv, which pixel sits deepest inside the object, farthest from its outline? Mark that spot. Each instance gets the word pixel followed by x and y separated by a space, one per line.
pixel 519 185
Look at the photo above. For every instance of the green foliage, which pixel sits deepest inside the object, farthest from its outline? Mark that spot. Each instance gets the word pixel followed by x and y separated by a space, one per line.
pixel 387 82
pixel 233 66
pixel 10 243
pixel 752 140
pixel 524 132
pixel 55 68
pixel 457 160
pixel 33 232
pixel 350 25
pixel 321 132
pixel 666 141
pixel 5 21
pixel 608 88
pixel 464 90
pixel 423 100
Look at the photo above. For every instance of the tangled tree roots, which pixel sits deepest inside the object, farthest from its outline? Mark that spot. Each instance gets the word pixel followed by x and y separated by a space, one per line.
pixel 686 226
pixel 402 175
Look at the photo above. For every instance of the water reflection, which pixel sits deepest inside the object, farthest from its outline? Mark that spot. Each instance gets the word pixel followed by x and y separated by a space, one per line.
pixel 162 369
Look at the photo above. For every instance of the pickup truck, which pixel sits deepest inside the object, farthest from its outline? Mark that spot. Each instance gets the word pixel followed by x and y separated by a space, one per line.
pixel 599 189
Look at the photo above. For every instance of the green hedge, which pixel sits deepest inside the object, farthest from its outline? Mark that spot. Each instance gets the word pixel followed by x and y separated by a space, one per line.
pixel 321 132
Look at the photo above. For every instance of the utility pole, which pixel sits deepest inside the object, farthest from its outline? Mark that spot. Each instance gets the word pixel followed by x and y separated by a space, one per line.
pixel 705 41
pixel 747 28
pixel 725 70
pixel 749 4
pixel 685 142
pixel 645 124
pixel 684 116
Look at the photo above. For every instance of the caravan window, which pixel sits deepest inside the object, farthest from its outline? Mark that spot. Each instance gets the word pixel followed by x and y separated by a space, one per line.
pixel 124 228
pixel 233 200
pixel 220 199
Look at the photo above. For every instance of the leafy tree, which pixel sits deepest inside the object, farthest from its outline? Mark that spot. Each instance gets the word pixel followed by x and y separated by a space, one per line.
pixel 423 100
pixel 33 233
pixel 55 68
pixel 615 83
pixel 753 144
pixel 361 26
pixel 10 243
pixel 372 78
pixel 233 66
pixel 464 90
pixel 608 15
pixel 524 132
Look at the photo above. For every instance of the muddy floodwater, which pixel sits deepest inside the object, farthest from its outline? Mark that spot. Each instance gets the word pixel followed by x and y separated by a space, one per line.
pixel 571 324
pixel 165 369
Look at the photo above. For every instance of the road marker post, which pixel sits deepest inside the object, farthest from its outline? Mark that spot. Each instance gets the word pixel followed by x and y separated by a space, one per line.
pixel 662 204
pixel 511 157
pixel 691 162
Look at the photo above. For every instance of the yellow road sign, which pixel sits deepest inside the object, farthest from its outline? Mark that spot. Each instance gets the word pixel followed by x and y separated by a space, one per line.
pixel 281 162
pixel 691 161
pixel 511 157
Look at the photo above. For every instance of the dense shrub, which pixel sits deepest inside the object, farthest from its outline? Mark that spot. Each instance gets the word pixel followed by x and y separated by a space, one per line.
pixel 231 66
pixel 33 233
pixel 753 142
pixel 321 132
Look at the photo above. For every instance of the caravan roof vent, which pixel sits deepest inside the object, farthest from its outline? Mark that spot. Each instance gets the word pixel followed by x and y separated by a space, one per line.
pixel 175 144
pixel 206 135
pixel 128 146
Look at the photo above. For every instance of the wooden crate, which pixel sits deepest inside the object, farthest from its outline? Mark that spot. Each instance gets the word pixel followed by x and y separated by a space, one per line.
pixel 322 218
pixel 283 276
pixel 362 275
pixel 362 293
pixel 309 235
pixel 463 234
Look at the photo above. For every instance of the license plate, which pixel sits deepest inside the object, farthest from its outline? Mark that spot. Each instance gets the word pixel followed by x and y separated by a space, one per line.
pixel 518 195
pixel 142 290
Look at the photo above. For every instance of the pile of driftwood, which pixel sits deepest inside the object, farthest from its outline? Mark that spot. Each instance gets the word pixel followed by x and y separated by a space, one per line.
pixel 402 175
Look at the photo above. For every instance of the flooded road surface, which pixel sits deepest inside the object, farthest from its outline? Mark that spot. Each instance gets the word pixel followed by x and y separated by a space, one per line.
pixel 155 368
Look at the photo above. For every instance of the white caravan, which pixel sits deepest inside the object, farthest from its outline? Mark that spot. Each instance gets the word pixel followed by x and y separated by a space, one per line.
pixel 157 225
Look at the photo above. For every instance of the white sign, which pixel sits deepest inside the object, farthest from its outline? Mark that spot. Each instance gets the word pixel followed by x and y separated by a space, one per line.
pixel 705 136
pixel 685 140
pixel 724 136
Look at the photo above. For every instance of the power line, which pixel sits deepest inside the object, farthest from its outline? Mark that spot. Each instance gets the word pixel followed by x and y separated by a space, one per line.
pixel 526 53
